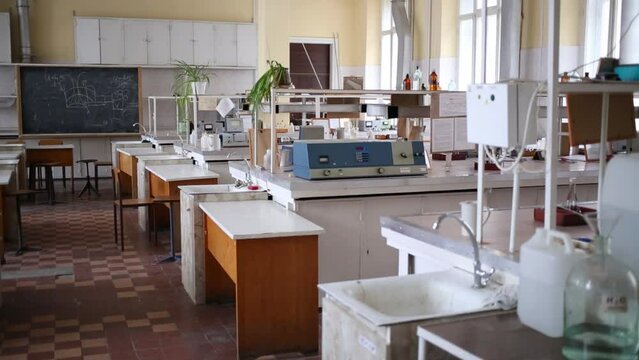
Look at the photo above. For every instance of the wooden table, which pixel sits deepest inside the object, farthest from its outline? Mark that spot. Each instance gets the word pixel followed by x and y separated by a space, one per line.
pixel 266 258
pixel 164 181
pixel 62 154
pixel 128 165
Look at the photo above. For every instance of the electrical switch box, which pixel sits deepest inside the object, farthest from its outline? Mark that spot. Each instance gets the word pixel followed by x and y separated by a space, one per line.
pixel 497 114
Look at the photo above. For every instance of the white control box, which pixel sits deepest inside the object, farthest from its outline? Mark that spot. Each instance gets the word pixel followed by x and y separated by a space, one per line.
pixel 497 114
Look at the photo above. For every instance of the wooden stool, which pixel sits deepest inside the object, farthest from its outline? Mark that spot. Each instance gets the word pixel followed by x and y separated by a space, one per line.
pixel 88 187
pixel 96 166
pixel 48 179
pixel 170 200
pixel 18 194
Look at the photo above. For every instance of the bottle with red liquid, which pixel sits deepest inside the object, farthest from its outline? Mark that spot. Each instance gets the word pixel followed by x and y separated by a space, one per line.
pixel 407 83
pixel 433 83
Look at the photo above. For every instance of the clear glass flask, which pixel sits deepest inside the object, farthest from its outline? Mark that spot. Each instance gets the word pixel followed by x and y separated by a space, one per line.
pixel 600 307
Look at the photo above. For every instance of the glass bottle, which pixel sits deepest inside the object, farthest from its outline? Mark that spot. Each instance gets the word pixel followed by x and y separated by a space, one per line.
pixel 571 199
pixel 564 78
pixel 417 79
pixel 433 82
pixel 600 307
pixel 407 82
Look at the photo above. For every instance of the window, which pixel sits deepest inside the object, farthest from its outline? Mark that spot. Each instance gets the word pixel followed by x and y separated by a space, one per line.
pixel 388 77
pixel 470 42
pixel 603 25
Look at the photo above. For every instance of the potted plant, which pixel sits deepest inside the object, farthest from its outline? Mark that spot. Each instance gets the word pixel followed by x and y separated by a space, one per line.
pixel 275 76
pixel 189 80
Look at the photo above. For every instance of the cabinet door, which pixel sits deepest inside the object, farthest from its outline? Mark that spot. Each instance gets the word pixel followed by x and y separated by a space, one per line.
pixel 202 43
pixel 182 41
pixel 87 41
pixel 225 44
pixel 379 259
pixel 135 42
pixel 339 246
pixel 246 45
pixel 111 41
pixel 159 42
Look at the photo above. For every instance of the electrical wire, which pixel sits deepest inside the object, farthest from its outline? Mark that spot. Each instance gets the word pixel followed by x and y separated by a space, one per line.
pixel 491 154
pixel 612 50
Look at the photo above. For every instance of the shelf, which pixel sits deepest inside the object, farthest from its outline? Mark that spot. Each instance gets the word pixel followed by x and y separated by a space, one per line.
pixel 610 87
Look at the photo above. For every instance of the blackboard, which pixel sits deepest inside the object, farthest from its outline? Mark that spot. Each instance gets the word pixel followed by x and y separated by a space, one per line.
pixel 82 100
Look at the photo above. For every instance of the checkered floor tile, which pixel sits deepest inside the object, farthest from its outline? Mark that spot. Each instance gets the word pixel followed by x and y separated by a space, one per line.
pixel 116 305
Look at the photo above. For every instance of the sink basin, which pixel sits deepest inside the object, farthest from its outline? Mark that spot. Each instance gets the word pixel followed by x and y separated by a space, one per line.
pixel 398 299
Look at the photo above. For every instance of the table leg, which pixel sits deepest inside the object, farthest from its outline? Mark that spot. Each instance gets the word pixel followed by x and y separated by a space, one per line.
pixel 72 179
pixel 64 176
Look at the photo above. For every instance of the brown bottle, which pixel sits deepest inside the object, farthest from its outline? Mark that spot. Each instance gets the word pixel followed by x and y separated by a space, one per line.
pixel 564 78
pixel 407 83
pixel 433 83
pixel 586 78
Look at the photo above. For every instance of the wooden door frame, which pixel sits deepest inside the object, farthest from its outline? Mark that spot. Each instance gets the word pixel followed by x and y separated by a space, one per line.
pixel 334 47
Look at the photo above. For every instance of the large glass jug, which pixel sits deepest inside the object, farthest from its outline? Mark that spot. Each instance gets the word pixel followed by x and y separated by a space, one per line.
pixel 600 307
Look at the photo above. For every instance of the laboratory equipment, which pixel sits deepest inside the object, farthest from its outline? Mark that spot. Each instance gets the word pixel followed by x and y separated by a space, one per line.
pixel 311 132
pixel 544 267
pixel 234 125
pixel 497 114
pixel 417 79
pixel 600 312
pixel 325 159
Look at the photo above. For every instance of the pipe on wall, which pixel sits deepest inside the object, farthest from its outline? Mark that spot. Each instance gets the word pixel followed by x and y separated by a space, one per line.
pixel 404 39
pixel 25 38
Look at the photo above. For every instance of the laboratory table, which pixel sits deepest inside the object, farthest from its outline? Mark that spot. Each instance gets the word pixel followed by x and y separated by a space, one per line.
pixel 128 165
pixel 62 154
pixel 266 258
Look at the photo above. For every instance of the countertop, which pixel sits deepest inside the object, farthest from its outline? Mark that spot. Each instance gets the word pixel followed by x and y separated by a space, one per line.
pixel 138 151
pixel 50 147
pixel 180 172
pixel 13 155
pixel 213 189
pixel 225 154
pixel 493 251
pixel 9 161
pixel 500 336
pixel 163 156
pixel 461 176
pixel 5 177
pixel 258 219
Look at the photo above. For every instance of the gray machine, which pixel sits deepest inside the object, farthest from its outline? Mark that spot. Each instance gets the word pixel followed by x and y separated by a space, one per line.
pixel 326 159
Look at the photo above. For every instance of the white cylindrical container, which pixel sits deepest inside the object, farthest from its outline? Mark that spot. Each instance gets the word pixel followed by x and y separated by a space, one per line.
pixel 267 160
pixel 543 270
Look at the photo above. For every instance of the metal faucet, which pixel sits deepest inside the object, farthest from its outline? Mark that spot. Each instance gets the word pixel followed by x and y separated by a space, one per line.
pixel 141 126
pixel 248 180
pixel 480 276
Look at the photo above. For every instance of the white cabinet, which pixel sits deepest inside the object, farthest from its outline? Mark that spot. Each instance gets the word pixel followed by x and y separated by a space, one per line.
pixel 246 45
pixel 111 41
pixel 182 41
pixel 225 45
pixel 158 42
pixel 135 42
pixel 202 43
pixel 87 41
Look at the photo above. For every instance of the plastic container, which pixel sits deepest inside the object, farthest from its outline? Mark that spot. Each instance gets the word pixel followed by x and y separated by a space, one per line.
pixel 267 160
pixel 629 72
pixel 543 270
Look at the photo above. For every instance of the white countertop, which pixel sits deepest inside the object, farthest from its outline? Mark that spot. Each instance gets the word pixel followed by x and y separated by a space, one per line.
pixel 138 151
pixel 13 155
pixel 50 147
pixel 9 161
pixel 214 189
pixel 225 154
pixel 163 156
pixel 5 177
pixel 180 172
pixel 258 219
pixel 461 176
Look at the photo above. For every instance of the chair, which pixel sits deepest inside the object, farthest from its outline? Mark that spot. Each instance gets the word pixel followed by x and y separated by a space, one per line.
pixel 119 203
pixel 96 166
pixel 18 194
pixel 88 187
pixel 64 169
pixel 48 178
pixel 170 200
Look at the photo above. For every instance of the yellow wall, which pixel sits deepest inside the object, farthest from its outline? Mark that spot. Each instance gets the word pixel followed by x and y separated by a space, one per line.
pixel 535 23
pixel 443 27
pixel 52 33
pixel 282 19
pixel 373 32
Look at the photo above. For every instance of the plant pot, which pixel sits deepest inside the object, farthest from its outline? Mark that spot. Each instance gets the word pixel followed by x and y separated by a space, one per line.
pixel 199 88
pixel 285 81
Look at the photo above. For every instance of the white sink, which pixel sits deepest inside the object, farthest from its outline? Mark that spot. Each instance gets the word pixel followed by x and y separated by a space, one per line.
pixel 398 299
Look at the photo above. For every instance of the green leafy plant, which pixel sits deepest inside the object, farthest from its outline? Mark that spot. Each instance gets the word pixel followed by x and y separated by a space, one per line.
pixel 276 75
pixel 187 74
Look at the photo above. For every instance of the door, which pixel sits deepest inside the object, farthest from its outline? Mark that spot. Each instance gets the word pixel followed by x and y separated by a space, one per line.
pixel 225 44
pixel 159 42
pixel 182 41
pixel 135 42
pixel 310 68
pixel 111 41
pixel 203 43
pixel 87 41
